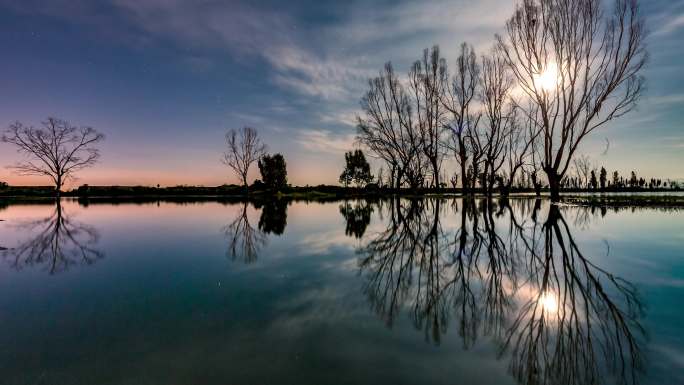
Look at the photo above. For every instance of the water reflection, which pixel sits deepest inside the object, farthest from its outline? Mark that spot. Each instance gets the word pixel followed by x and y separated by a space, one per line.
pixel 273 217
pixel 357 216
pixel 55 242
pixel 244 239
pixel 556 315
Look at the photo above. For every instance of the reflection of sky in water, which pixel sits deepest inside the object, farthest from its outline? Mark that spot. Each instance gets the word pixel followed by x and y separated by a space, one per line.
pixel 166 303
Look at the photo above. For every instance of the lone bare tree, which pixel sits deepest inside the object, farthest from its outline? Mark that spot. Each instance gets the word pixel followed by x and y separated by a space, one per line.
pixel 244 149
pixel 56 150
pixel 579 65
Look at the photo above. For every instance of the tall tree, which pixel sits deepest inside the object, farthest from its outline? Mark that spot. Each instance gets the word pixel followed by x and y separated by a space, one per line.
pixel 388 130
pixel 593 183
pixel 520 146
pixel 244 148
pixel 579 65
pixel 459 100
pixel 57 150
pixel 428 81
pixel 498 112
pixel 273 171
pixel 603 176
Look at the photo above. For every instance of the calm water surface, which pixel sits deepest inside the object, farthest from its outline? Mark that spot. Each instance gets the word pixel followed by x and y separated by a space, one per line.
pixel 394 292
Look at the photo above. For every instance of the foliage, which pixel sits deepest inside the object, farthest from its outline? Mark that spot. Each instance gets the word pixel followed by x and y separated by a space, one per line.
pixel 273 171
pixel 357 169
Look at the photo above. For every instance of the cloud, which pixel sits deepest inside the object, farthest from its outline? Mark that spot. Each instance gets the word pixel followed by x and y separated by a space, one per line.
pixel 345 117
pixel 325 141
pixel 670 24
pixel 677 98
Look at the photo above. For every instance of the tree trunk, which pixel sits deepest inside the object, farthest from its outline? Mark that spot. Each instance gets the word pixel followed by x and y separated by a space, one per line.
pixel 435 171
pixel 464 169
pixel 554 183
pixel 58 186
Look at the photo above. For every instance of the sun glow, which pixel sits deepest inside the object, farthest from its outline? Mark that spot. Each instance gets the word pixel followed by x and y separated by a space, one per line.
pixel 547 80
pixel 548 302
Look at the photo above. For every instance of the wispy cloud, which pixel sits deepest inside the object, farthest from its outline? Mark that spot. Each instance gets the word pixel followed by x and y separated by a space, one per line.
pixel 325 141
pixel 669 24
pixel 676 98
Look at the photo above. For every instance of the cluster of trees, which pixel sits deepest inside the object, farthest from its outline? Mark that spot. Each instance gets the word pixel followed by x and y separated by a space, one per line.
pixel 244 148
pixel 506 273
pixel 561 70
pixel 507 283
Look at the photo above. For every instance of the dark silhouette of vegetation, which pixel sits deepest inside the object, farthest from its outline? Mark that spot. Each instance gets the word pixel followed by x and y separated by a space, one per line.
pixel 273 217
pixel 244 148
pixel 357 217
pixel 356 169
pixel 57 150
pixel 579 67
pixel 602 178
pixel 273 172
pixel 55 243
pixel 557 316
pixel 244 239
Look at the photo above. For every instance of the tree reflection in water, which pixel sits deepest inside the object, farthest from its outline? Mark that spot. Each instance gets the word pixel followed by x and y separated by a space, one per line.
pixel 56 242
pixel 245 240
pixel 357 217
pixel 556 315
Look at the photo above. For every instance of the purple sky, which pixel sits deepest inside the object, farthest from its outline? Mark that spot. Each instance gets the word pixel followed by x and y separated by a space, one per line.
pixel 164 80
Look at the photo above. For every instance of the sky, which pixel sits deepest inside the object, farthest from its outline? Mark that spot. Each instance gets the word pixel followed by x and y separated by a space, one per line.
pixel 165 79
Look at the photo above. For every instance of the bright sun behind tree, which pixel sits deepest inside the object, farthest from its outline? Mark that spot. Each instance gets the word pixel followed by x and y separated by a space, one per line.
pixel 547 80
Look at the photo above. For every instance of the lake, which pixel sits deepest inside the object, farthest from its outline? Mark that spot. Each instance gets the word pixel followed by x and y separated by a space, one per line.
pixel 396 291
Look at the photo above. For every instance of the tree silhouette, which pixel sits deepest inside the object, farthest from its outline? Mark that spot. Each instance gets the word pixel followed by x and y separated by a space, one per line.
pixel 602 178
pixel 528 287
pixel 357 217
pixel 244 240
pixel 273 171
pixel 273 217
pixel 593 58
pixel 356 170
pixel 57 150
pixel 56 243
pixel 243 149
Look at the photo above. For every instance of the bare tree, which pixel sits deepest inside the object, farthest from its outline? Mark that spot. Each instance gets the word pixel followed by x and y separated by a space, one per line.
pixel 57 150
pixel 244 149
pixel 427 79
pixel 520 146
pixel 56 243
pixel 458 101
pixel 498 112
pixel 578 65
pixel 387 128
pixel 244 239
pixel 583 168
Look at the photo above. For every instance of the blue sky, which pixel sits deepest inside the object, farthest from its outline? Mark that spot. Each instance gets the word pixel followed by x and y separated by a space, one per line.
pixel 164 79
